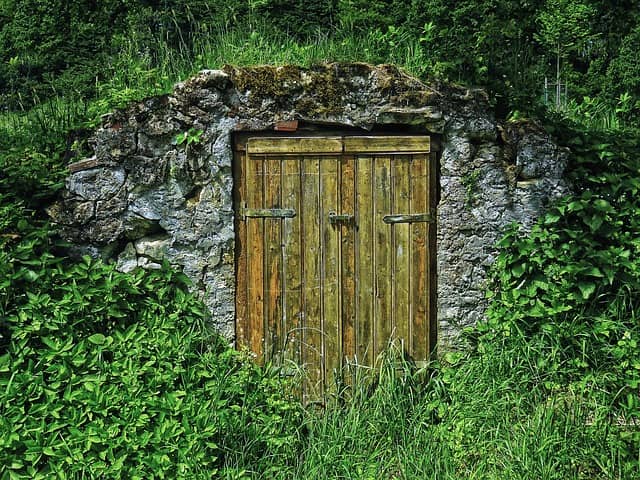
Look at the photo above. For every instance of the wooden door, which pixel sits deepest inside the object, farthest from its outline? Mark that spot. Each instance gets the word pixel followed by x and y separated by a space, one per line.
pixel 336 250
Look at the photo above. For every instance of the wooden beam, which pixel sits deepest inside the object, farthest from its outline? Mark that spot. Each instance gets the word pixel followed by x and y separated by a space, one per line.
pixel 294 145
pixel 392 145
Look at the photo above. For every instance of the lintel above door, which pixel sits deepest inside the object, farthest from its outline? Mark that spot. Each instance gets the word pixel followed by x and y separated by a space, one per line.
pixel 335 145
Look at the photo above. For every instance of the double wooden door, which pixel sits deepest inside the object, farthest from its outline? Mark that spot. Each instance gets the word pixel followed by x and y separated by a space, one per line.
pixel 335 250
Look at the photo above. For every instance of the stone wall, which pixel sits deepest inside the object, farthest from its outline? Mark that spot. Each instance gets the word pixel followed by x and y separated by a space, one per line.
pixel 144 197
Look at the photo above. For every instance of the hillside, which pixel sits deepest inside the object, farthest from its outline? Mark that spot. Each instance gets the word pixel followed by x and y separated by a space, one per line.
pixel 112 375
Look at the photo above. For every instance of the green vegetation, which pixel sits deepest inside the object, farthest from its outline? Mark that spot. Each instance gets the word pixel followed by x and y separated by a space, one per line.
pixel 107 375
pixel 101 50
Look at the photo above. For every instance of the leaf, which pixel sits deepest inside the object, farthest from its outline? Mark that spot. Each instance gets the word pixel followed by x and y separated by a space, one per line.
pixel 5 363
pixel 586 289
pixel 552 217
pixel 519 269
pixel 603 205
pixel 594 272
pixel 97 339
pixel 594 222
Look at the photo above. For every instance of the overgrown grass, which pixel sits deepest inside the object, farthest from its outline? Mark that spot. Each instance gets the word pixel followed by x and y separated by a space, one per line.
pixel 481 416
pixel 147 64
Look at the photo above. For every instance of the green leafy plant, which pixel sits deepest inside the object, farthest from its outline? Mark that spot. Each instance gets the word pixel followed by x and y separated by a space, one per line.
pixel 191 136
pixel 571 285
pixel 112 375
pixel 470 183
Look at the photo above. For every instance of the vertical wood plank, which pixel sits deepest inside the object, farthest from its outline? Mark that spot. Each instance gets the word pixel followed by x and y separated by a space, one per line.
pixel 273 262
pixel 383 255
pixel 401 250
pixel 292 261
pixel 241 251
pixel 255 258
pixel 364 260
pixel 432 274
pixel 420 258
pixel 348 256
pixel 312 333
pixel 331 319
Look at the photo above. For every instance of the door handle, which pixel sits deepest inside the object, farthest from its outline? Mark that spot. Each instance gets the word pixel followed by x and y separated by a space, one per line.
pixel 344 218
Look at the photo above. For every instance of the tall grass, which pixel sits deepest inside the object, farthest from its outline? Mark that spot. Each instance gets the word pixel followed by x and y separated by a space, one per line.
pixel 482 416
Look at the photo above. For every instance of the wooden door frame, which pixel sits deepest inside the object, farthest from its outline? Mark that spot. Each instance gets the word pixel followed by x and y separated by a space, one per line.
pixel 239 140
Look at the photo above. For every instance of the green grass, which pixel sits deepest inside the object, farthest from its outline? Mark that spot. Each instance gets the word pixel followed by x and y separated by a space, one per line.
pixel 481 417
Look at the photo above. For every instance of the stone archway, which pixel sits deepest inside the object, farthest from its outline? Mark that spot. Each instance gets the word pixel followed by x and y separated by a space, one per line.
pixel 149 195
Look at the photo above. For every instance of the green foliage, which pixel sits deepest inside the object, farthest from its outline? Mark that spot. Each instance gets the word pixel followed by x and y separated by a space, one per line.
pixel 601 113
pixel 571 286
pixel 564 25
pixel 624 71
pixel 106 375
pixel 109 375
pixel 301 18
pixel 187 138
pixel 362 16
pixel 470 183
pixel 119 51
pixel 473 415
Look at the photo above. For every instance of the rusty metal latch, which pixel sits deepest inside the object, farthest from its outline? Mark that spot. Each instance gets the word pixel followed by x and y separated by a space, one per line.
pixel 409 218
pixel 267 213
pixel 335 218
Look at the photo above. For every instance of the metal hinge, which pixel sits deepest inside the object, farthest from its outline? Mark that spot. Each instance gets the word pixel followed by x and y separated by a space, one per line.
pixel 267 213
pixel 409 218
pixel 344 218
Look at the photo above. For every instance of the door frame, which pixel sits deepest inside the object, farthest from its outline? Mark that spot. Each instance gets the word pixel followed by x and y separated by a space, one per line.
pixel 239 141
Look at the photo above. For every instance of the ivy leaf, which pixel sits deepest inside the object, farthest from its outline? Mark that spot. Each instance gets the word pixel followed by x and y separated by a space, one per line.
pixel 586 289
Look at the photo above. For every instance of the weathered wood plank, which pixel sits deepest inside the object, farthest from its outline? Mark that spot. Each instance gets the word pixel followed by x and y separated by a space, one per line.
pixel 255 258
pixel 364 260
pixel 331 321
pixel 420 259
pixel 241 251
pixel 383 316
pixel 292 241
pixel 386 144
pixel 312 284
pixel 401 277
pixel 348 260
pixel 432 300
pixel 273 261
pixel 295 145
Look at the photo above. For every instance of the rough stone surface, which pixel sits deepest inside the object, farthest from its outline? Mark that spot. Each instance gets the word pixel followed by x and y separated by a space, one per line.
pixel 150 199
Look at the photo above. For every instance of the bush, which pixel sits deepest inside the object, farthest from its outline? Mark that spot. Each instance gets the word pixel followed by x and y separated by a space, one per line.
pixel 571 287
pixel 108 375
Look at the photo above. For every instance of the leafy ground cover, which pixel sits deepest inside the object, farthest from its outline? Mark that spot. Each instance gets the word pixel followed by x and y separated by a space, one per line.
pixel 104 374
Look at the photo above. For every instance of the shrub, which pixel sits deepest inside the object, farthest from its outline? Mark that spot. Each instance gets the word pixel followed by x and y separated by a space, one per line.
pixel 112 375
pixel 569 290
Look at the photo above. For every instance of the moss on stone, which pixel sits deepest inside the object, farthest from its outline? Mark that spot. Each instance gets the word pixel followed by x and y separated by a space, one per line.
pixel 266 81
